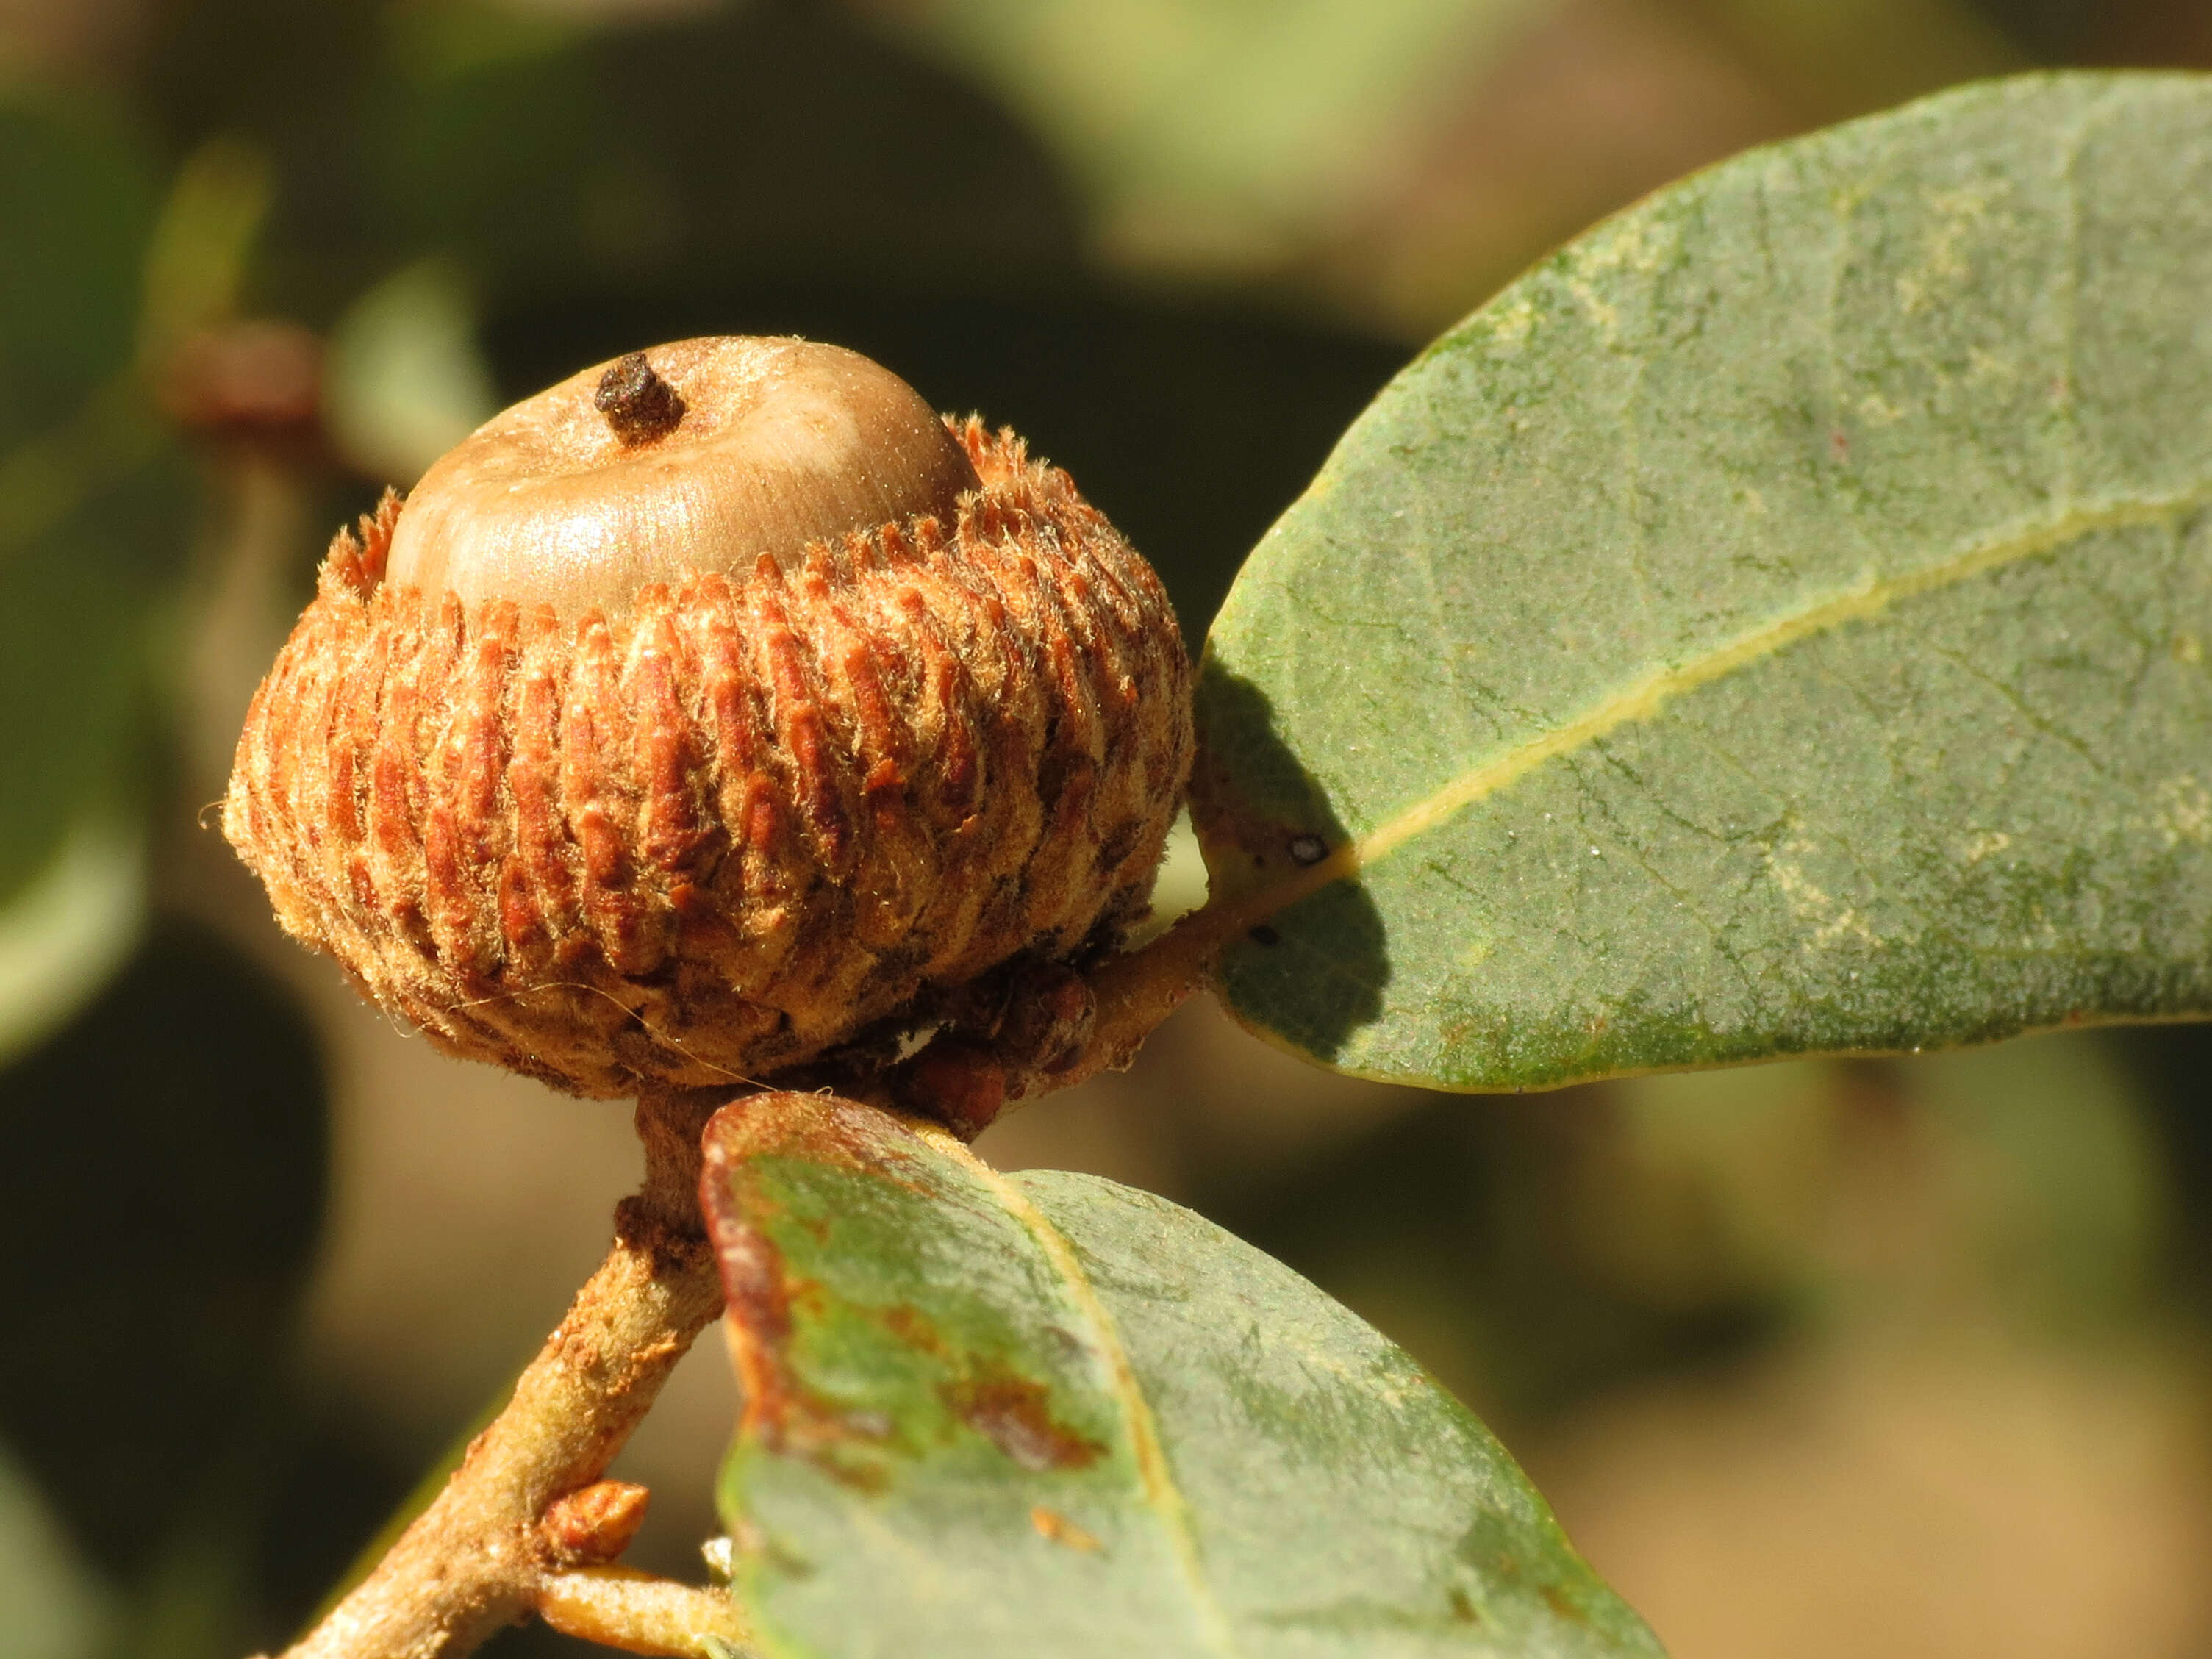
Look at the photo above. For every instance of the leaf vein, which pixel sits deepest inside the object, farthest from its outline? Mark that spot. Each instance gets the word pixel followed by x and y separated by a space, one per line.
pixel 1646 697
pixel 1161 1493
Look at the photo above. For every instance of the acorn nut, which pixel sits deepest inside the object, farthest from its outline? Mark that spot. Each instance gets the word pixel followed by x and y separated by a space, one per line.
pixel 714 707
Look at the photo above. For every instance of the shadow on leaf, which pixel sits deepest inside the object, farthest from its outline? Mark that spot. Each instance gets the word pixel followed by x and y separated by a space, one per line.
pixel 1317 967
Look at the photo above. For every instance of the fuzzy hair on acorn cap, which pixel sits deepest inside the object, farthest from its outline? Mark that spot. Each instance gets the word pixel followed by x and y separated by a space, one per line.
pixel 708 710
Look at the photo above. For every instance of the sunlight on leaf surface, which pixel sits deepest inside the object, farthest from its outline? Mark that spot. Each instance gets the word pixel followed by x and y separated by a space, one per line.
pixel 1043 1413
pixel 1776 624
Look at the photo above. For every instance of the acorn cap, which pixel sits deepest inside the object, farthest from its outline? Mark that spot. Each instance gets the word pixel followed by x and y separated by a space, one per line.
pixel 708 709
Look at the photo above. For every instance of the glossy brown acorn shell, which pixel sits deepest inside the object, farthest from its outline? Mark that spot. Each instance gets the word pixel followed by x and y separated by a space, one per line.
pixel 731 828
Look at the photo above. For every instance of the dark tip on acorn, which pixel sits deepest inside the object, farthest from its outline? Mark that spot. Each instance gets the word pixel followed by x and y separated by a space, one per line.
pixel 638 403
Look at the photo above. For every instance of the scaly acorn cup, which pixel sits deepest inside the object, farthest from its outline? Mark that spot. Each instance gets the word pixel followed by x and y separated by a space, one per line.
pixel 708 710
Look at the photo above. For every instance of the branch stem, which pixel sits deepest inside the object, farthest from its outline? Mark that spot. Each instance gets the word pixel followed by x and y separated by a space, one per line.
pixel 967 1086
pixel 479 1557
pixel 1137 991
pixel 621 1608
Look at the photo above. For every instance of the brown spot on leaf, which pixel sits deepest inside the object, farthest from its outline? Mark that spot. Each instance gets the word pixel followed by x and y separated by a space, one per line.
pixel 765 1298
pixel 1056 1527
pixel 1559 1602
pixel 1015 1414
pixel 782 1413
pixel 907 1324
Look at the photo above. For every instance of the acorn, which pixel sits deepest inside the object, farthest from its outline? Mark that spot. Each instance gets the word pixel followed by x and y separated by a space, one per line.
pixel 709 711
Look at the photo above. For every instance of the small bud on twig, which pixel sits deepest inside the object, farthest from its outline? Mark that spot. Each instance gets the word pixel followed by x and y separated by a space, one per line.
pixel 593 1525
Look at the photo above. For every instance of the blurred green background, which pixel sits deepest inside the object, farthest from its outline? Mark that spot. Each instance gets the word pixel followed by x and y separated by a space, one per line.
pixel 1814 1359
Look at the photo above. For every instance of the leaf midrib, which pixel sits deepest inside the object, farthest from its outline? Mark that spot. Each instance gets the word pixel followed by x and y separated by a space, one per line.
pixel 1645 697
pixel 1162 1495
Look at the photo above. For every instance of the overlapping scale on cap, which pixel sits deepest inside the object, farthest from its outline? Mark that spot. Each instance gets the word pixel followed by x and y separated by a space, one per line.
pixel 723 828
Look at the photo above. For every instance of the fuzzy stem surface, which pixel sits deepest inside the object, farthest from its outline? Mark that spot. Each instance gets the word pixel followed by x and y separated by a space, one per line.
pixel 621 1608
pixel 1137 991
pixel 967 1086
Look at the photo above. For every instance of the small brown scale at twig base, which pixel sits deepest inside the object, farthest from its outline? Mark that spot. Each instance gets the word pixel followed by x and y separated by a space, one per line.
pixel 707 708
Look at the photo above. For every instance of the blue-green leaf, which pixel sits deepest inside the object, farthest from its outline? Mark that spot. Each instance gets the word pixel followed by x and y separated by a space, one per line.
pixel 1776 624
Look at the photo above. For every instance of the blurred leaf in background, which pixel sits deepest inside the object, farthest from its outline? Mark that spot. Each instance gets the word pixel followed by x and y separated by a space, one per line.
pixel 159 1206
pixel 63 935
pixel 407 379
pixel 1218 139
pixel 57 1607
pixel 162 1100
pixel 1398 159
pixel 93 509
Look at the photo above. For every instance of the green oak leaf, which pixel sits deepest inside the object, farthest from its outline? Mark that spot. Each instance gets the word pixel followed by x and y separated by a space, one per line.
pixel 1776 624
pixel 96 506
pixel 997 1415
